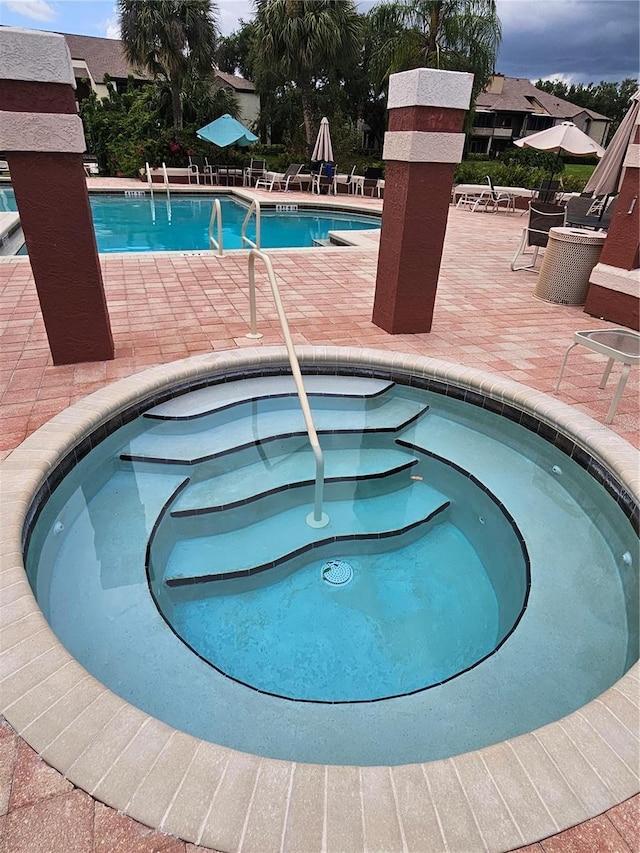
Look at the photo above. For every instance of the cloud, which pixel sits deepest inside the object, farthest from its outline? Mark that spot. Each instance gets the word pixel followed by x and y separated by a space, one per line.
pixel 229 13
pixel 37 10
pixel 112 27
pixel 579 41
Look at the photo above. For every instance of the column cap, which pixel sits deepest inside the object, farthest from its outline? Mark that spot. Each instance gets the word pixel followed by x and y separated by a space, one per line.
pixel 34 55
pixel 428 87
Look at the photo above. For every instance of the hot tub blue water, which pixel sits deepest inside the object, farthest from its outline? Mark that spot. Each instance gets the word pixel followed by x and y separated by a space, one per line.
pixel 145 224
pixel 489 593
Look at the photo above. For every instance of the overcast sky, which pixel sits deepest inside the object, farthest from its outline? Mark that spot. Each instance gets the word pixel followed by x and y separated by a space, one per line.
pixel 579 41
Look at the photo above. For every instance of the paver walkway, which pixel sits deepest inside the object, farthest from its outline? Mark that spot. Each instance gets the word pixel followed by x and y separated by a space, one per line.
pixel 166 308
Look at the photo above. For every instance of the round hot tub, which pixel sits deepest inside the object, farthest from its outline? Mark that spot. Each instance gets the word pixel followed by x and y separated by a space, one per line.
pixel 476 578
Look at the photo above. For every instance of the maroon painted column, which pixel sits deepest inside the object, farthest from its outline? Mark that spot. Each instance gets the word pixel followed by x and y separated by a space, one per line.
pixel 41 134
pixel 421 149
pixel 614 285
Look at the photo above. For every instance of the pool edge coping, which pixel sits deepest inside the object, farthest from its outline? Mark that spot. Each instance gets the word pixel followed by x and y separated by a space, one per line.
pixel 110 748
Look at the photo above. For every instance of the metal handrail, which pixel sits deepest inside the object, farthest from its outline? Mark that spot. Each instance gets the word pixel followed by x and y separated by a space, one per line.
pixel 216 218
pixel 317 518
pixel 254 207
pixel 149 179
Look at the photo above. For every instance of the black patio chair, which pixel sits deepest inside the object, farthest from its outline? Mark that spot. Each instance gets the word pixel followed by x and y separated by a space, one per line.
pixel 590 212
pixel 548 191
pixel 543 215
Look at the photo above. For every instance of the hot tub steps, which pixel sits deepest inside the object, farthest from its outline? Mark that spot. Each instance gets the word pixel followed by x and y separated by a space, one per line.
pixel 203 438
pixel 269 542
pixel 218 397
pixel 290 471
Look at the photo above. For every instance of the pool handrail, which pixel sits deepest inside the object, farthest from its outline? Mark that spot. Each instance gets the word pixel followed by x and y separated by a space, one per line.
pixel 254 207
pixel 149 179
pixel 216 219
pixel 317 518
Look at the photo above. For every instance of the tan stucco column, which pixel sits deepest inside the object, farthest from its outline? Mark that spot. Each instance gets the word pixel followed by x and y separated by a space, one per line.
pixel 614 286
pixel 421 149
pixel 41 134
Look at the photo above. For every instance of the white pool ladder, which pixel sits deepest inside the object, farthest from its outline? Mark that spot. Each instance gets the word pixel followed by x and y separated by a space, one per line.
pixel 254 207
pixel 216 220
pixel 317 518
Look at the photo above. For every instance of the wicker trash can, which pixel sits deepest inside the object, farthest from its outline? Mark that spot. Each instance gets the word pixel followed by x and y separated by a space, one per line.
pixel 570 256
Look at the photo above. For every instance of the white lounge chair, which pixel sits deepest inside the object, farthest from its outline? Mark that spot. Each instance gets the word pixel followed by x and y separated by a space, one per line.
pixel 283 180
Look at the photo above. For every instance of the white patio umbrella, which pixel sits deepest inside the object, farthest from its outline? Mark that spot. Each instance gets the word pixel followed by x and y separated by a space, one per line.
pixel 323 150
pixel 608 174
pixel 562 137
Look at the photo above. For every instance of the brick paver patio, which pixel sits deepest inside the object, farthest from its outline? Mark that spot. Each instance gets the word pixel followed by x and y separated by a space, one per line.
pixel 164 308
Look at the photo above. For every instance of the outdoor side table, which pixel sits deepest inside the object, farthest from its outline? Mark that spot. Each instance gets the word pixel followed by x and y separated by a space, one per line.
pixel 570 256
pixel 619 345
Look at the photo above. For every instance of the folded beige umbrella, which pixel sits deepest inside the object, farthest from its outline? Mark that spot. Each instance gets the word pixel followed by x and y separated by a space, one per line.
pixel 608 174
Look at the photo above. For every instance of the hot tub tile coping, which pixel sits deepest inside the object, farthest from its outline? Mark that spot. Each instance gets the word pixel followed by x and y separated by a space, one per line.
pixel 65 430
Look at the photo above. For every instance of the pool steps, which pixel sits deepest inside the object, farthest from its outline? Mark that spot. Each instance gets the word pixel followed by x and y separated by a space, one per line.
pixel 269 476
pixel 217 397
pixel 230 430
pixel 288 471
pixel 259 546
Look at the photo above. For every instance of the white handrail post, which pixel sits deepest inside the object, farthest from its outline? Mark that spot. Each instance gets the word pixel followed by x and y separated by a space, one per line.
pixel 254 207
pixel 216 217
pixel 253 322
pixel 317 518
pixel 149 179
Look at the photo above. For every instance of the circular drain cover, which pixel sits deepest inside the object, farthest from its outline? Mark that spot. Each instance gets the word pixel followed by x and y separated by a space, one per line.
pixel 337 572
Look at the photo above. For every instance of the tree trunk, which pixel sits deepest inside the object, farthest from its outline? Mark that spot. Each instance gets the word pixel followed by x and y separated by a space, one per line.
pixel 307 115
pixel 176 105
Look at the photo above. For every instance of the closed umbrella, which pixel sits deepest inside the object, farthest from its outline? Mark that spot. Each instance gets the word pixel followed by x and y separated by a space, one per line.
pixel 323 149
pixel 226 131
pixel 608 174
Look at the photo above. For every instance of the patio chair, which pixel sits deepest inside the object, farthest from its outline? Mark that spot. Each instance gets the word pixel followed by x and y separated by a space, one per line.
pixel 197 168
pixel 547 191
pixel 587 211
pixel 543 215
pixel 344 179
pixel 323 177
pixel 495 198
pixel 282 179
pixel 370 180
pixel 254 171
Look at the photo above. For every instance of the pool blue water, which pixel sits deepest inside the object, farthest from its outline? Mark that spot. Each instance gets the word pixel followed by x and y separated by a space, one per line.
pixel 182 223
pixel 407 619
pixel 416 611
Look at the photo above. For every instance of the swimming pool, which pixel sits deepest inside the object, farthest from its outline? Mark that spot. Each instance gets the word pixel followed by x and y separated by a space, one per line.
pixel 140 223
pixel 502 796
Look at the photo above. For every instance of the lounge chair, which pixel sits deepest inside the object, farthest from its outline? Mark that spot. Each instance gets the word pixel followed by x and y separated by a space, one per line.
pixel 495 198
pixel 542 216
pixel 284 180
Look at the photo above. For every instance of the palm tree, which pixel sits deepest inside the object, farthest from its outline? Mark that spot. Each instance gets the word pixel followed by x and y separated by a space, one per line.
pixel 453 35
pixel 306 41
pixel 172 39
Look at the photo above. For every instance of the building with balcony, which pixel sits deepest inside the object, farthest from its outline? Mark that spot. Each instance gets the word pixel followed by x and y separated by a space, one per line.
pixel 93 58
pixel 512 107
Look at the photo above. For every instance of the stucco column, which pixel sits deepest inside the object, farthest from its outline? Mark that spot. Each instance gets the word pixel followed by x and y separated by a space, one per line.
pixel 41 134
pixel 421 149
pixel 614 286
